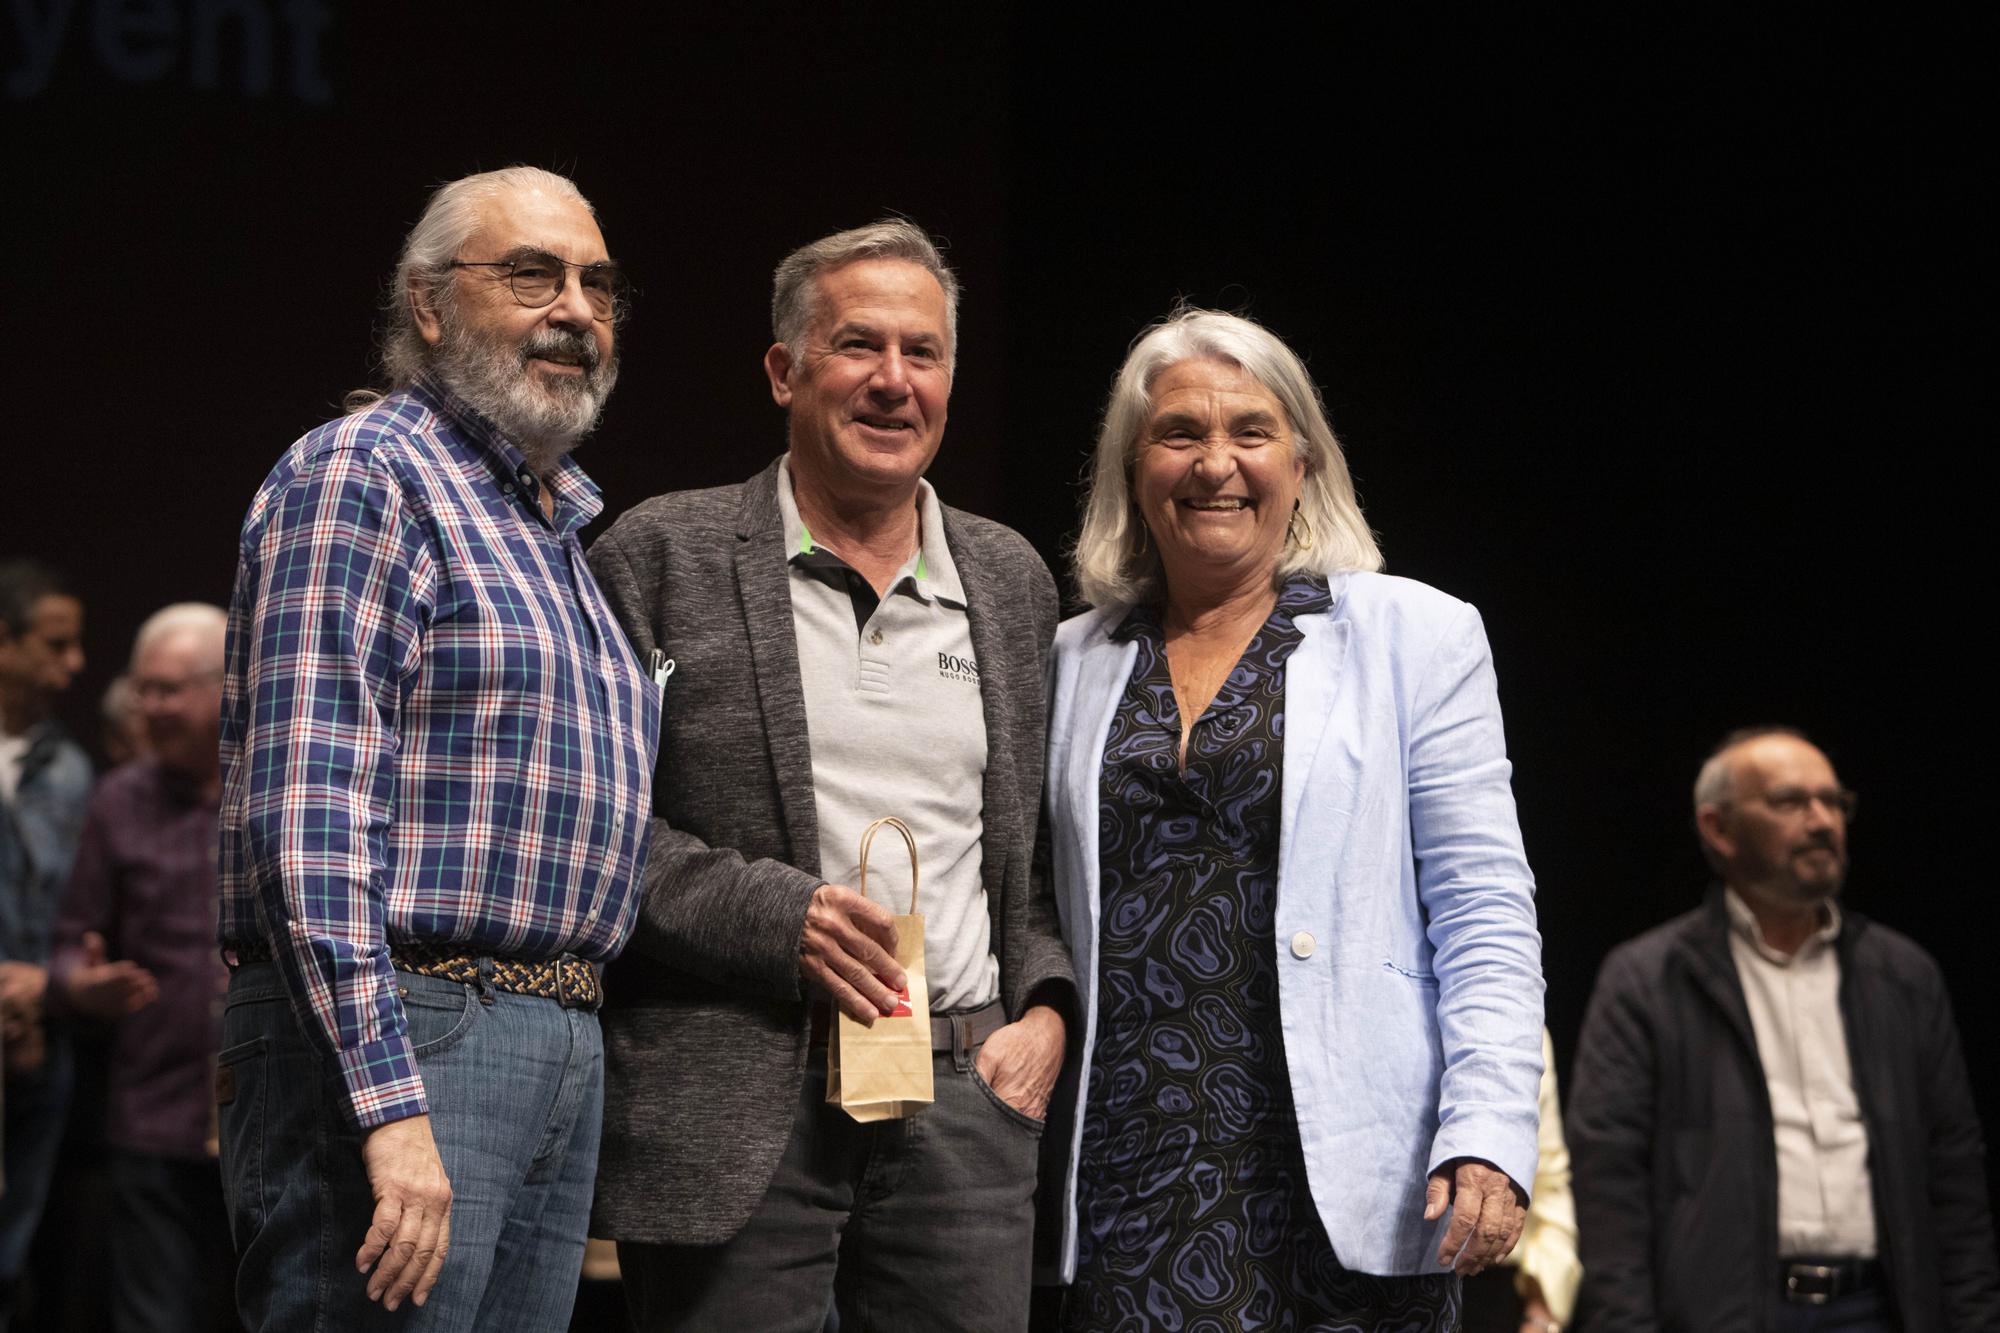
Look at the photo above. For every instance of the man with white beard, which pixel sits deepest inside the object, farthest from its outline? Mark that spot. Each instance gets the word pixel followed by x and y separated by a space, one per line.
pixel 437 751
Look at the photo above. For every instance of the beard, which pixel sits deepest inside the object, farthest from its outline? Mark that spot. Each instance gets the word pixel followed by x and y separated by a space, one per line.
pixel 1810 871
pixel 544 417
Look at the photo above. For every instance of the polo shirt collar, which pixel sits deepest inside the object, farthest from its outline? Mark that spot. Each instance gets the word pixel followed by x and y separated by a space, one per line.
pixel 929 575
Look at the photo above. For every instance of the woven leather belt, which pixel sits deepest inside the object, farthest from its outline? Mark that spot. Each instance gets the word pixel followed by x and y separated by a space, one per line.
pixel 1820 1281
pixel 964 1030
pixel 570 981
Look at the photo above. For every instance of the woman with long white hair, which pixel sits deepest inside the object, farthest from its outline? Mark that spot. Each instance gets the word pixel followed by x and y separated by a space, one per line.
pixel 1290 872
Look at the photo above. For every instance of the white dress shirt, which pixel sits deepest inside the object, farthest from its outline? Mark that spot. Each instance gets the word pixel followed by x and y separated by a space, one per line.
pixel 1825 1208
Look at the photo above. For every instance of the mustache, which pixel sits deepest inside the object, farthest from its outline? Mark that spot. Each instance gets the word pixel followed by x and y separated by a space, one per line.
pixel 560 342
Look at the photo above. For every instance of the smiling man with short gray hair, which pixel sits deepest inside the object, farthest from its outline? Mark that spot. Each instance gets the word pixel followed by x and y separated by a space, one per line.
pixel 845 646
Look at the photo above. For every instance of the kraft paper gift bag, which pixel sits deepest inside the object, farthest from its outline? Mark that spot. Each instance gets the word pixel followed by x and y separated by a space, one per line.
pixel 884 1072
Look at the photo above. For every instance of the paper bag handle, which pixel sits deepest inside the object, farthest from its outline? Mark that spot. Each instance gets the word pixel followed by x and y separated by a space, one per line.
pixel 868 836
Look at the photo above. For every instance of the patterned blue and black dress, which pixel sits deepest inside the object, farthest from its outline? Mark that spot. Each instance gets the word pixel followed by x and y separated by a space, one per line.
pixel 1194 1212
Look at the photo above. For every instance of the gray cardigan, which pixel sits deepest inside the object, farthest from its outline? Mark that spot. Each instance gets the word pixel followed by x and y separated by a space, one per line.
pixel 705 1020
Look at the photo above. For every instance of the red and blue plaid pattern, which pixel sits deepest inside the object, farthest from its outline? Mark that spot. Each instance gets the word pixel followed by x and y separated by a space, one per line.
pixel 433 729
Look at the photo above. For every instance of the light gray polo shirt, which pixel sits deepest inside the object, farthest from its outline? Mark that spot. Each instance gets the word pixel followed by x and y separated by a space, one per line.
pixel 898 727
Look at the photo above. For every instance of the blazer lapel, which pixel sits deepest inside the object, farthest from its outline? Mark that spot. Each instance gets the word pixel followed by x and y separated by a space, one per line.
pixel 1102 674
pixel 999 668
pixel 764 596
pixel 1312 683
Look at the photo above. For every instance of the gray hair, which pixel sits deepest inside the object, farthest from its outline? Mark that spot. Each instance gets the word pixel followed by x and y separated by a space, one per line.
pixel 795 294
pixel 208 623
pixel 1112 561
pixel 448 222
pixel 1715 784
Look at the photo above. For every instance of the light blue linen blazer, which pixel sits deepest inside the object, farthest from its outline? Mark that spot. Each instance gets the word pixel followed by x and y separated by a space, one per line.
pixel 1409 963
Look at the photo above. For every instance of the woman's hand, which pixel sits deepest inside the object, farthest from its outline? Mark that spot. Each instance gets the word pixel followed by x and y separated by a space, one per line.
pixel 1488 1211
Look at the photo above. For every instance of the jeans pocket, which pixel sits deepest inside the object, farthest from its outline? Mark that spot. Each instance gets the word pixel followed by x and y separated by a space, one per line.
pixel 1013 1113
pixel 438 1014
pixel 241 1073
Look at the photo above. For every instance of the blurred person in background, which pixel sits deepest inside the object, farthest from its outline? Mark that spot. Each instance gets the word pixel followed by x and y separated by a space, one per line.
pixel 120 731
pixel 1770 1112
pixel 134 947
pixel 44 785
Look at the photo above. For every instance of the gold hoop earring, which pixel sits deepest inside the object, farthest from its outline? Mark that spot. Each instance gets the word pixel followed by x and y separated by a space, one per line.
pixel 1292 525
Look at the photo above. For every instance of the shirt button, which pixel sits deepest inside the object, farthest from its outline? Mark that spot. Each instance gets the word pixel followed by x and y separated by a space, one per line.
pixel 591 915
pixel 1302 944
pixel 508 489
pixel 618 820
pixel 875 637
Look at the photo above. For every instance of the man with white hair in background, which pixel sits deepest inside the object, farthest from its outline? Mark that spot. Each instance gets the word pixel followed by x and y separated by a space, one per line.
pixel 437 751
pixel 1770 1120
pixel 135 948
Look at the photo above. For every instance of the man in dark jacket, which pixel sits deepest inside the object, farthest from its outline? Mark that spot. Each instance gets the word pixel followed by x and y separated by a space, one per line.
pixel 1770 1120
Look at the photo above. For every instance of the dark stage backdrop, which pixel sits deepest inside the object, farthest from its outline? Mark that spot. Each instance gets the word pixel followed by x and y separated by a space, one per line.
pixel 1659 343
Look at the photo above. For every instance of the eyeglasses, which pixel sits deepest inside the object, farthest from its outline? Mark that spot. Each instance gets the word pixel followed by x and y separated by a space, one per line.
pixel 537 277
pixel 1795 800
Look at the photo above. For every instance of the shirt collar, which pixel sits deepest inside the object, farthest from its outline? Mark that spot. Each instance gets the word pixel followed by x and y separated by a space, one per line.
pixel 929 574
pixel 1744 922
pixel 578 499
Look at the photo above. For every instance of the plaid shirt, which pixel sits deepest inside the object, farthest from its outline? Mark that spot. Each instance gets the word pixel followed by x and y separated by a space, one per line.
pixel 433 730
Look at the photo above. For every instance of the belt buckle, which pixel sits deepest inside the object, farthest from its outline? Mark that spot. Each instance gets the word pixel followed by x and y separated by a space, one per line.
pixel 1824 1282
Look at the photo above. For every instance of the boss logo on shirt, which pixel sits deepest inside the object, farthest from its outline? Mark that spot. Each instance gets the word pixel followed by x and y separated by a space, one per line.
pixel 962 669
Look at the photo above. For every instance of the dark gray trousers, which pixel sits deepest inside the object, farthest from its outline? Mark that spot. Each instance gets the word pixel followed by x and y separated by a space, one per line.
pixel 924 1224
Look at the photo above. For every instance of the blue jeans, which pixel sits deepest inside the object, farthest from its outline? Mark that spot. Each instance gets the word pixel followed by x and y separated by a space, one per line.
pixel 516 1091
pixel 37 1105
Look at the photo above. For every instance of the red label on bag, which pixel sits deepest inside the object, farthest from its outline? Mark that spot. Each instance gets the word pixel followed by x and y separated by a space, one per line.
pixel 902 1009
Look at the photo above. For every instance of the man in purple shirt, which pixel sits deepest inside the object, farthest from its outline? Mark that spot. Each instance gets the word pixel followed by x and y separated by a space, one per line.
pixel 134 946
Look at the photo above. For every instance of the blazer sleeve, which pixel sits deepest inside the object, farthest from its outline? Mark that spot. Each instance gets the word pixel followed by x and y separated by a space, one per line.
pixel 1478 897
pixel 708 911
